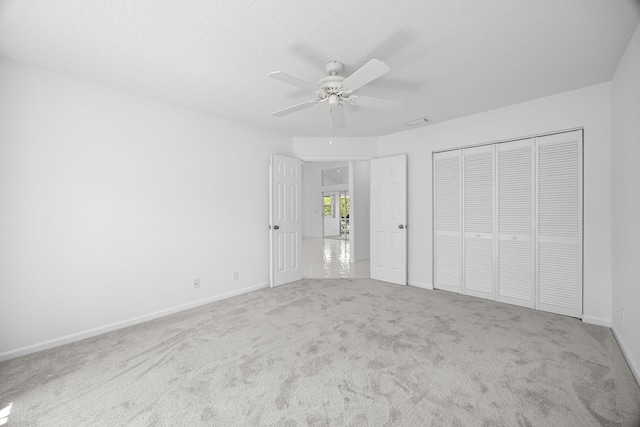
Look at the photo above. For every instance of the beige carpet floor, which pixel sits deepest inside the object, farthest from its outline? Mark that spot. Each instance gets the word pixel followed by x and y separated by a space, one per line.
pixel 332 352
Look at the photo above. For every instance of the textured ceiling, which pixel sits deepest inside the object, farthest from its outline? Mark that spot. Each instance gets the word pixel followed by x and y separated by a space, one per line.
pixel 448 58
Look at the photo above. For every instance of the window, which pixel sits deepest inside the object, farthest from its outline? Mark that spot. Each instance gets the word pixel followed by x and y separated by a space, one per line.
pixel 328 206
pixel 345 206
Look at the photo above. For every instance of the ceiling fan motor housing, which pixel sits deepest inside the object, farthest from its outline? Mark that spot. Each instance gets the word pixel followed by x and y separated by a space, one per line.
pixel 331 85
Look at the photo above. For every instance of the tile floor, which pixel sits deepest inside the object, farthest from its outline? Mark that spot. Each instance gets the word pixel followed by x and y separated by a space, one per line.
pixel 329 258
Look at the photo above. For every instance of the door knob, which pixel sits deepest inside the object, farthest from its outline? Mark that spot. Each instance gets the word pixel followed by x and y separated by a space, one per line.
pixel 401 226
pixel 275 227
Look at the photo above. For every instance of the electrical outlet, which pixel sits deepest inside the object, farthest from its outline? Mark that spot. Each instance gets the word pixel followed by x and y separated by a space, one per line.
pixel 235 275
pixel 196 283
pixel 622 314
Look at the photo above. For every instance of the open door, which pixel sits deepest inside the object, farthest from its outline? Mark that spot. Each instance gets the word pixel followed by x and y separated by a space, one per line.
pixel 285 178
pixel 389 219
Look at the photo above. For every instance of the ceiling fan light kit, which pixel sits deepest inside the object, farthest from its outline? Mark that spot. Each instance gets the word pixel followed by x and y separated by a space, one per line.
pixel 334 89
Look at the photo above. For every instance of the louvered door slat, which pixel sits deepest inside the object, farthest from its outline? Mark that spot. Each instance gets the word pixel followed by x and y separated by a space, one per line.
pixel 560 223
pixel 447 262
pixel 516 276
pixel 515 206
pixel 447 227
pixel 478 190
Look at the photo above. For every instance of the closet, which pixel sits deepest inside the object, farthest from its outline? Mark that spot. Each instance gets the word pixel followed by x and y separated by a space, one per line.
pixel 508 222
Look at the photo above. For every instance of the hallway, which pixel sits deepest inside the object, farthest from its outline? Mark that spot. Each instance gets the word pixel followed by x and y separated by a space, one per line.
pixel 329 258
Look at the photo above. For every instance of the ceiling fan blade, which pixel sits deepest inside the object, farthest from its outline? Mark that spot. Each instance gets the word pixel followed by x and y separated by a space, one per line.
pixel 376 103
pixel 365 74
pixel 338 120
pixel 297 107
pixel 287 78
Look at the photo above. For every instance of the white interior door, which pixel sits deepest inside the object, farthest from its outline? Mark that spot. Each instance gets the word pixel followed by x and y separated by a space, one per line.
pixel 478 196
pixel 447 211
pixel 560 223
pixel 515 164
pixel 389 219
pixel 285 219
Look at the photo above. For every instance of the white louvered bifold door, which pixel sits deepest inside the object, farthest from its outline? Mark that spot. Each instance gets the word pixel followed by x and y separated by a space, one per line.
pixel 559 193
pixel 515 212
pixel 478 221
pixel 447 221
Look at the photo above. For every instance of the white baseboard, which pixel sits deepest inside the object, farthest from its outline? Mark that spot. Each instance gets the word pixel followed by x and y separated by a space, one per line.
pixel 420 285
pixel 596 321
pixel 67 339
pixel 634 369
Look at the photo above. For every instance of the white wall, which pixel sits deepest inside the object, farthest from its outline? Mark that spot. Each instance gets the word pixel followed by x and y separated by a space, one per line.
pixel 589 108
pixel 312 189
pixel 112 204
pixel 626 201
pixel 319 149
pixel 360 178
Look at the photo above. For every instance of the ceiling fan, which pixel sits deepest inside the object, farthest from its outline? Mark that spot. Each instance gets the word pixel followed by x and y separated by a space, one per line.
pixel 335 89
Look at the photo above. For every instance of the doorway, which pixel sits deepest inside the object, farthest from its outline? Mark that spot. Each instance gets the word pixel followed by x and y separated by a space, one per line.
pixel 335 214
pixel 384 230
pixel 329 241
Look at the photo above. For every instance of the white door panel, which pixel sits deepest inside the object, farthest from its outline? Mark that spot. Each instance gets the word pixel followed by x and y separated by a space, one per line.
pixel 389 219
pixel 515 212
pixel 285 221
pixel 478 221
pixel 447 199
pixel 478 267
pixel 560 223
pixel 515 276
